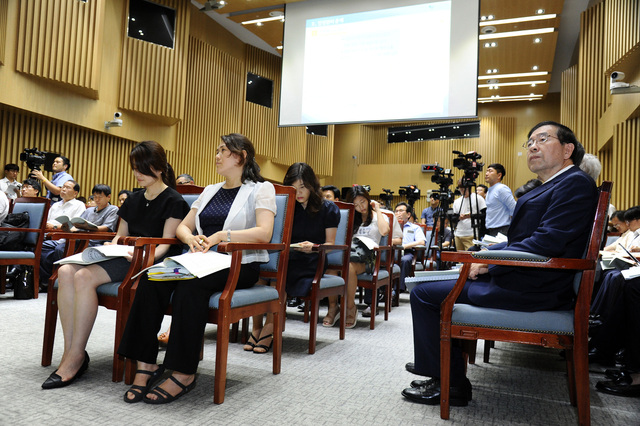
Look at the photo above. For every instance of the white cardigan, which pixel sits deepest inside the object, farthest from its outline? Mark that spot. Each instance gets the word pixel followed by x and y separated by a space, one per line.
pixel 242 215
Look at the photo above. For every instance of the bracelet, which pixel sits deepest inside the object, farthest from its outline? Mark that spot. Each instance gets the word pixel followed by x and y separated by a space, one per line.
pixel 228 235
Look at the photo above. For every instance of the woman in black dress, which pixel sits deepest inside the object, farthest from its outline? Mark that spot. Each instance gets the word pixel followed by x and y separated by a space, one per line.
pixel 154 212
pixel 315 221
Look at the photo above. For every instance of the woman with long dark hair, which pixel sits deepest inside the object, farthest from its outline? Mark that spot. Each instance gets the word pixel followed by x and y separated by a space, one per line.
pixel 368 222
pixel 315 221
pixel 154 212
pixel 240 209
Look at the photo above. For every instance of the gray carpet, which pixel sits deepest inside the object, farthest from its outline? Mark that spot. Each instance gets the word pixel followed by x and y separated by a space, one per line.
pixel 354 381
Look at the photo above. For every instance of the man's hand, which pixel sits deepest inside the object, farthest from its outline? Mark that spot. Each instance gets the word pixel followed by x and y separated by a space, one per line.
pixel 478 269
pixel 37 174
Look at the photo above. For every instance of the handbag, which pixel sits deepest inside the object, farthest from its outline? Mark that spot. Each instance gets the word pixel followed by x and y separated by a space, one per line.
pixel 360 253
pixel 14 241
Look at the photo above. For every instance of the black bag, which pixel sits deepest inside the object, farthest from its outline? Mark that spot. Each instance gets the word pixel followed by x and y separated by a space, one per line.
pixel 23 287
pixel 13 241
pixel 360 253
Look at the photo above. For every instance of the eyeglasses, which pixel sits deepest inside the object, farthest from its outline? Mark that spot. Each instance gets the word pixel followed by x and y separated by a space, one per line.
pixel 540 139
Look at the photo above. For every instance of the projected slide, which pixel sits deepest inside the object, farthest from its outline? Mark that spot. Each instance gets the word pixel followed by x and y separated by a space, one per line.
pixel 355 65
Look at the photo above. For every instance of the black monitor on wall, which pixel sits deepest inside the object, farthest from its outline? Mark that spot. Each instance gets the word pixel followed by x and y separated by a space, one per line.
pixel 259 90
pixel 152 22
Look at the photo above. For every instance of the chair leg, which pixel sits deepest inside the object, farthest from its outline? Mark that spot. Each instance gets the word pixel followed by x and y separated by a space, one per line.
pixel 244 337
pixel 387 301
pixel 469 347
pixel 313 321
pixel 374 308
pixel 36 280
pixel 222 351
pixel 445 371
pixel 581 386
pixel 572 375
pixel 50 320
pixel 278 328
pixel 3 279
pixel 488 344
pixel 233 336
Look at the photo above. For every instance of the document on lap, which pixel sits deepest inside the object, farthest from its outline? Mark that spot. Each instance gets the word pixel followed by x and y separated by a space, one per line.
pixel 188 266
pixel 97 254
pixel 78 222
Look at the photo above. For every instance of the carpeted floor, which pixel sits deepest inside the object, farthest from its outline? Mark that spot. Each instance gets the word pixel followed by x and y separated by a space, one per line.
pixel 355 381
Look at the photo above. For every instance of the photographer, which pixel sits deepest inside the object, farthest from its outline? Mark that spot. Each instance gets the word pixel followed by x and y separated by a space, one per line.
pixel 60 166
pixel 464 207
pixel 500 201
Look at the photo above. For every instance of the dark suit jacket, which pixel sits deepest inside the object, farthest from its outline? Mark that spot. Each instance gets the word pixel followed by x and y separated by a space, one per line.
pixel 553 220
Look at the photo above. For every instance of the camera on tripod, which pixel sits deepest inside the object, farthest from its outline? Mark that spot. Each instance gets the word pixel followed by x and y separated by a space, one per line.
pixel 412 192
pixel 386 197
pixel 470 165
pixel 33 158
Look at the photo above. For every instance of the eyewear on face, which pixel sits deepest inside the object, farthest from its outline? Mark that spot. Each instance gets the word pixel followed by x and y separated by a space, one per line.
pixel 540 139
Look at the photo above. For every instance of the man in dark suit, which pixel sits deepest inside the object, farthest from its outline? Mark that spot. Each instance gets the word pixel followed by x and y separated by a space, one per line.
pixel 553 219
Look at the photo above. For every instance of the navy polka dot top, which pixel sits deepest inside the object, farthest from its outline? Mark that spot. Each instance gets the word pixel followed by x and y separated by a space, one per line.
pixel 212 217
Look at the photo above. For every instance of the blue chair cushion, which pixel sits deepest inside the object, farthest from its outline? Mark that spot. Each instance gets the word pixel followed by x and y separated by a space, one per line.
pixel 395 270
pixel 556 322
pixel 419 267
pixel 330 281
pixel 17 255
pixel 247 296
pixel 109 289
pixel 369 277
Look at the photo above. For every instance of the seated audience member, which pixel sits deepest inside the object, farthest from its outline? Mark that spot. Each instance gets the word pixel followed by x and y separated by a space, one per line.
pixel 67 206
pixel 464 207
pixel 8 184
pixel 412 236
pixel 620 225
pixel 240 209
pixel 331 193
pixel 122 196
pixel 315 221
pixel 30 188
pixel 564 203
pixel 185 179
pixel 154 212
pixel 60 166
pixel 531 184
pixel 482 190
pixel 427 214
pixel 90 202
pixel 4 206
pixel 103 214
pixel 591 165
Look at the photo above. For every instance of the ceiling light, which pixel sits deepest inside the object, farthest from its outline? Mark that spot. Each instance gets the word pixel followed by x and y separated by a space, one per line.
pixel 522 19
pixel 490 17
pixel 540 11
pixel 279 47
pixel 537 40
pixel 213 5
pixel 516 33
pixel 514 75
pixel 261 20
pixel 523 97
pixel 259 24
pixel 511 83
pixel 535 68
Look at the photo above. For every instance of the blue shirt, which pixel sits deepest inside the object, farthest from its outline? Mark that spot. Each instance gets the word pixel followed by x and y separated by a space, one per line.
pixel 500 206
pixel 428 215
pixel 58 180
pixel 412 233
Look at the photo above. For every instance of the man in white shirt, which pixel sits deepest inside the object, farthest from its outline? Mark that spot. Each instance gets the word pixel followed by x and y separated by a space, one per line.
pixel 9 185
pixel 4 206
pixel 500 201
pixel 463 207
pixel 67 206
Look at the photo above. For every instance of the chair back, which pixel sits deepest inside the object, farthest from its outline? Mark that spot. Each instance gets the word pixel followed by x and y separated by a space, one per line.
pixel 38 208
pixel 190 193
pixel 386 241
pixel 344 234
pixel 285 202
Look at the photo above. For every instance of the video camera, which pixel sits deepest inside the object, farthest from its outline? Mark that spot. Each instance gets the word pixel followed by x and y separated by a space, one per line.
pixel 411 192
pixel 387 196
pixel 470 165
pixel 33 158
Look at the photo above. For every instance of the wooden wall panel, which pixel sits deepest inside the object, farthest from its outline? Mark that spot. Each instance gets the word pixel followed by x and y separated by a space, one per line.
pixel 259 123
pixel 592 84
pixel 153 77
pixel 569 97
pixel 61 41
pixel 292 146
pixel 214 108
pixel 622 29
pixel 4 10
pixel 95 157
pixel 624 168
pixel 320 152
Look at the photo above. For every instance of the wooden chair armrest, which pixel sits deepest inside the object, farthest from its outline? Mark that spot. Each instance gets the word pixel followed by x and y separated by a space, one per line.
pixel 82 235
pixel 143 241
pixel 21 229
pixel 226 247
pixel 509 258
pixel 329 247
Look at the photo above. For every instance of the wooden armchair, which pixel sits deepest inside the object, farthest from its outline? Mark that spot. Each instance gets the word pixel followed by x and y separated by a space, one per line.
pixel 38 209
pixel 337 258
pixel 381 276
pixel 552 329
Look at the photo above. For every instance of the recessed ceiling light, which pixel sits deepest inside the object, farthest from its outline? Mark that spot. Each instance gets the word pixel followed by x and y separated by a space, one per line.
pixel 495 70
pixel 490 17
pixel 259 24
pixel 514 75
pixel 516 33
pixel 520 19
pixel 483 18
pixel 537 40
pixel 540 11
pixel 535 68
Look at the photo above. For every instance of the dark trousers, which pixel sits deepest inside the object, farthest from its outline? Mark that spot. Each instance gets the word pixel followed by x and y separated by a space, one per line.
pixel 189 300
pixel 632 310
pixel 51 252
pixel 494 231
pixel 405 268
pixel 425 310
pixel 610 305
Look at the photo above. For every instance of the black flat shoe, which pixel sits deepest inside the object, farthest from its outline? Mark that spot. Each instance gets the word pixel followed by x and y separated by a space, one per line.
pixel 54 381
pixel 621 386
pixel 458 396
pixel 411 368
pixel 139 391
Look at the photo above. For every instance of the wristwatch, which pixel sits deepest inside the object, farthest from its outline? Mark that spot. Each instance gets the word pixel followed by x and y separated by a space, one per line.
pixel 228 235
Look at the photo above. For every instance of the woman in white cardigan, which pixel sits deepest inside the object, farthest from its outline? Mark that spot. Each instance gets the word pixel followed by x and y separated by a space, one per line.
pixel 241 209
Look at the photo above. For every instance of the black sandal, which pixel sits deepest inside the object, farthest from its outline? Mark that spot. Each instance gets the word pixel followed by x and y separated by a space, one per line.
pixel 265 347
pixel 165 397
pixel 249 346
pixel 140 391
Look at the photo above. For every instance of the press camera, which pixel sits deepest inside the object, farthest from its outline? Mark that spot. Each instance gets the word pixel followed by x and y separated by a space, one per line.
pixel 470 165
pixel 33 158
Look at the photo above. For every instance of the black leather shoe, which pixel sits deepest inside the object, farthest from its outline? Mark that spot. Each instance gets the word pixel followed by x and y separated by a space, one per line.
pixel 54 381
pixel 427 384
pixel 621 386
pixel 411 368
pixel 612 374
pixel 458 396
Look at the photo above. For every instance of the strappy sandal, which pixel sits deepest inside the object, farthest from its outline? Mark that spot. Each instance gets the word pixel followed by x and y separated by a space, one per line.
pixel 352 323
pixel 330 321
pixel 165 397
pixel 263 347
pixel 140 391
pixel 249 346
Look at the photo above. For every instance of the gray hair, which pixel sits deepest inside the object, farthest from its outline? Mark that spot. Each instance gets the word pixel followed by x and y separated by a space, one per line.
pixel 591 166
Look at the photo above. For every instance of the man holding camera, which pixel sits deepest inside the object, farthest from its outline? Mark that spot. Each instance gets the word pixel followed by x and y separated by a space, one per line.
pixel 500 201
pixel 553 220
pixel 60 166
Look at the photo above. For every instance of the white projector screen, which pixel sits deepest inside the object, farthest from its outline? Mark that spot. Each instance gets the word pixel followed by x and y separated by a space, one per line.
pixel 374 60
